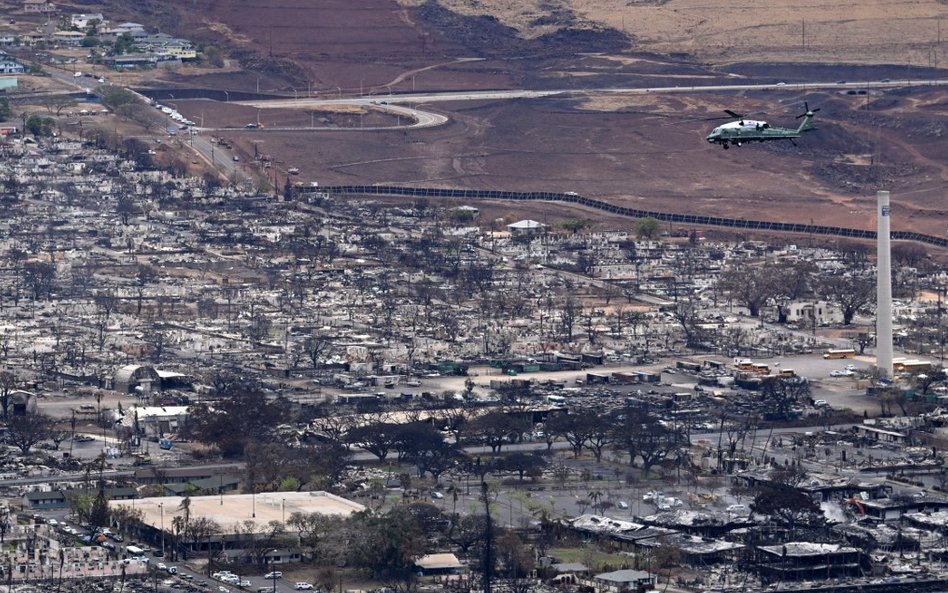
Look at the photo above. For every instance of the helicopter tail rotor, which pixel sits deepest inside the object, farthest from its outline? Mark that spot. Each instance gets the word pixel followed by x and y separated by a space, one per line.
pixel 807 111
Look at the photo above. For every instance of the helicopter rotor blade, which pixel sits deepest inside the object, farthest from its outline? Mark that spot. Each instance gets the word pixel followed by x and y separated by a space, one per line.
pixel 808 111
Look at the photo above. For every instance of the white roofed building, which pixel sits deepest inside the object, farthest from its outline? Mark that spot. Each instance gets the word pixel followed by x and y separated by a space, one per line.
pixel 156 421
pixel 526 227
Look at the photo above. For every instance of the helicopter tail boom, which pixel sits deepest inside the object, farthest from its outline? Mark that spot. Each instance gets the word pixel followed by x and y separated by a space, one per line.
pixel 807 124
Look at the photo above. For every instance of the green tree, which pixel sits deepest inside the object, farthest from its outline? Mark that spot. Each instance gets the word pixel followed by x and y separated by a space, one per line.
pixel 39 125
pixel 389 545
pixel 5 111
pixel 124 44
pixel 80 503
pixel 92 27
pixel 647 228
pixel 99 512
pixel 460 216
pixel 115 97
pixel 574 225
pixel 311 528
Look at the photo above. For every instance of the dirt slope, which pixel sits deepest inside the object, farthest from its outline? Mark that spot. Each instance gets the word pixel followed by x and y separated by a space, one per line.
pixel 722 31
pixel 650 152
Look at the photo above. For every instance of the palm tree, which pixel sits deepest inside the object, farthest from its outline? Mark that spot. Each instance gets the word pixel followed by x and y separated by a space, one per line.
pixel 177 527
pixel 185 507
pixel 596 498
pixel 455 491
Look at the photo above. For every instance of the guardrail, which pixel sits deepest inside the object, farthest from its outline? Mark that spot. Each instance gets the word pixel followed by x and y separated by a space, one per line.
pixel 570 198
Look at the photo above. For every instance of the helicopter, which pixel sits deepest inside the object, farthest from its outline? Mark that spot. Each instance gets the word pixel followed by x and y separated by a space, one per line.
pixel 749 130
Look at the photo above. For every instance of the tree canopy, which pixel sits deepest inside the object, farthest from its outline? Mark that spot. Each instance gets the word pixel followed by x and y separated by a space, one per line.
pixel 235 421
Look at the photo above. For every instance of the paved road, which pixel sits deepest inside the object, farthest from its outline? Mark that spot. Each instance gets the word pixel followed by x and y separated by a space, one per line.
pixel 429 119
pixel 500 94
pixel 401 105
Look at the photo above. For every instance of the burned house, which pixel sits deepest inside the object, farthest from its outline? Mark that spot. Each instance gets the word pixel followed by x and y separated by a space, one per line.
pixel 695 550
pixel 136 378
pixel 698 523
pixel 800 561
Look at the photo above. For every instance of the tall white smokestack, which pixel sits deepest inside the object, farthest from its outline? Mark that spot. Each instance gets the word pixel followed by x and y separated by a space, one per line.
pixel 883 287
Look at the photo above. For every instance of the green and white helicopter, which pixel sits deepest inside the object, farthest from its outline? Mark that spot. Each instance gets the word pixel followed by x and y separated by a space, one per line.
pixel 748 130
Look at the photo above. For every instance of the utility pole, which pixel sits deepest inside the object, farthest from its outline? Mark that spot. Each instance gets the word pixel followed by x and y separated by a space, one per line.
pixel 941 311
pixel 488 539
pixel 883 286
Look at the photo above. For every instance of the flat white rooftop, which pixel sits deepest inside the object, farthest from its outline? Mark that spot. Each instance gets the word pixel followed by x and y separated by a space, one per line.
pixel 232 510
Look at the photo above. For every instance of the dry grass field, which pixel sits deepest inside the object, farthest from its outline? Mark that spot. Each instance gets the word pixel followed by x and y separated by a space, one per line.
pixel 903 32
pixel 644 151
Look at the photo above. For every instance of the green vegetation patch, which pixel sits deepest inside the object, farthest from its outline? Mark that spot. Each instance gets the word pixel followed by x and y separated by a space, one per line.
pixel 595 559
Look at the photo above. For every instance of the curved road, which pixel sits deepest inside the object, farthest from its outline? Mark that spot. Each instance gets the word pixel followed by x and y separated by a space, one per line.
pixel 424 119
pixel 401 105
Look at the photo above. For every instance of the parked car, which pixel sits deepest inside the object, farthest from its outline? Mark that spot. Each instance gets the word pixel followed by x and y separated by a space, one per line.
pixel 301 586
pixel 276 574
